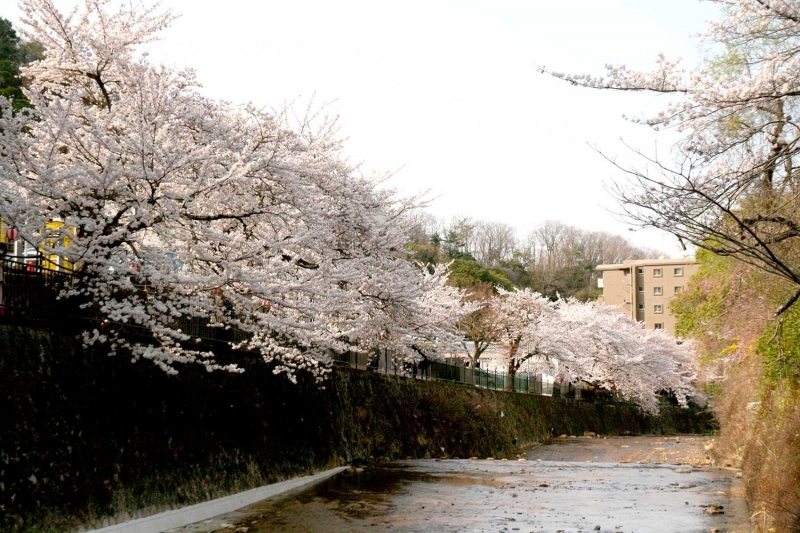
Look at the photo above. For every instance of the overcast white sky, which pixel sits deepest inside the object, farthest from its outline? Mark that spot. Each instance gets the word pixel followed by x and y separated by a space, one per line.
pixel 447 94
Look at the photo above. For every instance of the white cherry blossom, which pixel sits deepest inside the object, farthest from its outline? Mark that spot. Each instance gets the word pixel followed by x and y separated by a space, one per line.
pixel 179 206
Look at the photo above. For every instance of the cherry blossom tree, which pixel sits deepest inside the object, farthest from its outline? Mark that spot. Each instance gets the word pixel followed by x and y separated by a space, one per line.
pixel 612 351
pixel 732 188
pixel 479 328
pixel 591 343
pixel 528 328
pixel 176 206
pixel 421 326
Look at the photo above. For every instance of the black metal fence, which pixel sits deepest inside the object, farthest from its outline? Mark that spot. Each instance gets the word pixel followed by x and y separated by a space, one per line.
pixel 27 286
pixel 30 290
pixel 456 372
pixel 210 329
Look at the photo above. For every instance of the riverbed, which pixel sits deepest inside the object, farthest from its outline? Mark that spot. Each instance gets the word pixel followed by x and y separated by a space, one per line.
pixel 620 484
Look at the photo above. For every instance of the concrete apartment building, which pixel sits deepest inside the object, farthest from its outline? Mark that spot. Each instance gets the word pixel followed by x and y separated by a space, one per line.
pixel 643 288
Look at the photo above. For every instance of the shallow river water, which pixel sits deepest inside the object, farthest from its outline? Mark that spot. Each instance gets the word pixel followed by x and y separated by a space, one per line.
pixel 626 484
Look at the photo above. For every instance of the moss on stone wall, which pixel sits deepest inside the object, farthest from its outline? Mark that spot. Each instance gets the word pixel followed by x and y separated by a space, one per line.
pixel 92 439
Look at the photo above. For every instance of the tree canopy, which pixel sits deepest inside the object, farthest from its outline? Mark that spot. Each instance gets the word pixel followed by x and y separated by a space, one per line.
pixel 732 188
pixel 589 342
pixel 553 259
pixel 178 205
pixel 14 53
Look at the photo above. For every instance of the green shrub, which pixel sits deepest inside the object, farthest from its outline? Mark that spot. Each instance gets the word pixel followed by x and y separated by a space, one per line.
pixel 780 347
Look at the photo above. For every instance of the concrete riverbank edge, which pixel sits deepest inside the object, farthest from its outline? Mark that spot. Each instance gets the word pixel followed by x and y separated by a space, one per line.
pixel 203 511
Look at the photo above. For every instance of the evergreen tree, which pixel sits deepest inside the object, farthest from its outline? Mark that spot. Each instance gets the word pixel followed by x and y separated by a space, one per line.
pixel 15 53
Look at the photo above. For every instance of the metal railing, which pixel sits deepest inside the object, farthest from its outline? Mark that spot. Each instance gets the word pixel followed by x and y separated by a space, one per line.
pixel 26 284
pixel 522 382
pixel 210 329
pixel 30 290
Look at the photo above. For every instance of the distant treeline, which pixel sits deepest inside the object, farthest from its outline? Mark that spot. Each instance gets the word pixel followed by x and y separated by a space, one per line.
pixel 553 258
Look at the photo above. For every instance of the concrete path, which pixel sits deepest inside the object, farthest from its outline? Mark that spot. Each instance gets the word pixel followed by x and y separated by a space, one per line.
pixel 203 511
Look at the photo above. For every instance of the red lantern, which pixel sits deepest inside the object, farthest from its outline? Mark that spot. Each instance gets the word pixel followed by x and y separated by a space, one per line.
pixel 12 234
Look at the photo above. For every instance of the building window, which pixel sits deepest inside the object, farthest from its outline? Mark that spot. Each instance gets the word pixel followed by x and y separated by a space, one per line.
pixel 657 272
pixel 640 271
pixel 678 290
pixel 658 325
pixel 641 307
pixel 678 271
pixel 658 308
pixel 641 288
pixel 657 291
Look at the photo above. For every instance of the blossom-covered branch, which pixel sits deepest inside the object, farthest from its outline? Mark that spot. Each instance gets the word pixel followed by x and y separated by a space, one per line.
pixel 179 206
pixel 733 186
